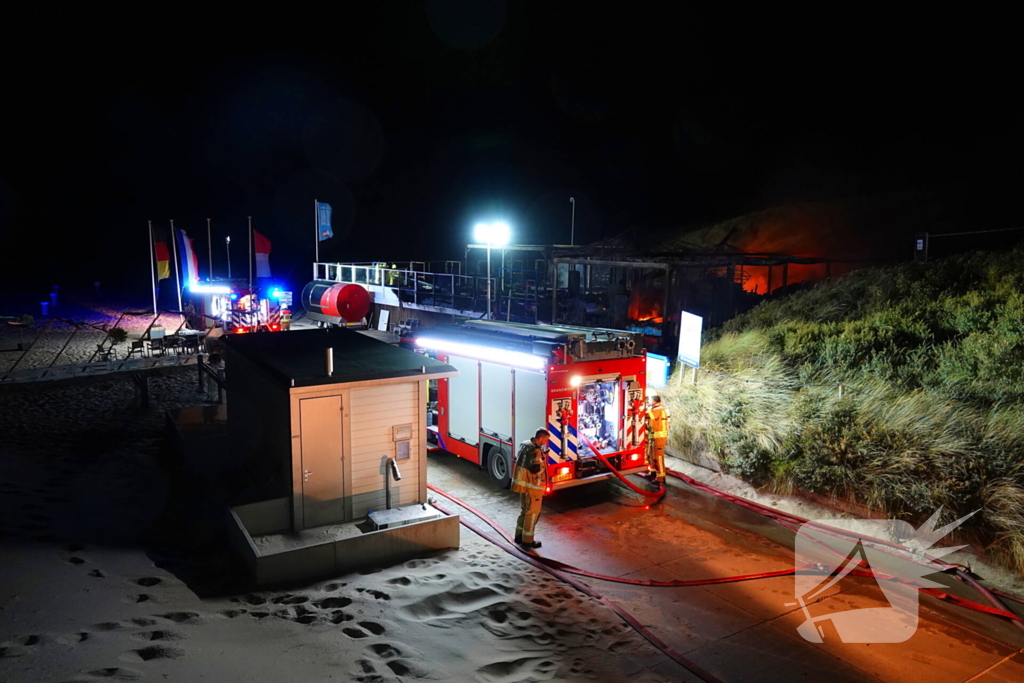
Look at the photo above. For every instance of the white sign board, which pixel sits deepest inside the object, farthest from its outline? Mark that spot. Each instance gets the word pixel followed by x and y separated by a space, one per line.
pixel 657 371
pixel 689 338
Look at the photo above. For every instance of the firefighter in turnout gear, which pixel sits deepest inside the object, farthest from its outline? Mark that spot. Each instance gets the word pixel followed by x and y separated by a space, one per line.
pixel 529 480
pixel 657 434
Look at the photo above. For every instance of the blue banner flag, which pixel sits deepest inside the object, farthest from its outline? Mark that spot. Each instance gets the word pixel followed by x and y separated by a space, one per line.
pixel 323 221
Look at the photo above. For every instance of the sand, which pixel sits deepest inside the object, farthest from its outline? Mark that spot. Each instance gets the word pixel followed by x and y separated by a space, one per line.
pixel 114 568
pixel 81 344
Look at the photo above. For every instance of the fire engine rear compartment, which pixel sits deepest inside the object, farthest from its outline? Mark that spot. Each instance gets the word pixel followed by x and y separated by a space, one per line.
pixel 497 402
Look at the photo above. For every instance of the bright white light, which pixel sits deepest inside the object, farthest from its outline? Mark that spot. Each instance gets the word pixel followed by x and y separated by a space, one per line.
pixel 209 289
pixel 513 358
pixel 496 234
pixel 575 381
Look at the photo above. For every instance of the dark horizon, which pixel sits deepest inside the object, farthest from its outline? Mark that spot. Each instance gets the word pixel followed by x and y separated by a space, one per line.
pixel 416 120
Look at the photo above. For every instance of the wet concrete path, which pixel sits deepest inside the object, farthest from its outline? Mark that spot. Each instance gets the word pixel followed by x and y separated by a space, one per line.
pixel 740 631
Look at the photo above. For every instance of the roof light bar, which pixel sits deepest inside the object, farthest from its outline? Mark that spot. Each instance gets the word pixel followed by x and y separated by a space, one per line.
pixel 488 353
pixel 209 289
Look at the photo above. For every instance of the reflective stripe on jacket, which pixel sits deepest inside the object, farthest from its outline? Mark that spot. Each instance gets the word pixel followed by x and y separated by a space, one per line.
pixel 659 421
pixel 522 479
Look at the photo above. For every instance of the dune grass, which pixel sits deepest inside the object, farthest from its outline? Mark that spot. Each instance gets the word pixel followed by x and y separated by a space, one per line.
pixel 931 359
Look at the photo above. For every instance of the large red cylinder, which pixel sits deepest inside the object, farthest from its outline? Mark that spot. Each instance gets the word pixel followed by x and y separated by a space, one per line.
pixel 349 302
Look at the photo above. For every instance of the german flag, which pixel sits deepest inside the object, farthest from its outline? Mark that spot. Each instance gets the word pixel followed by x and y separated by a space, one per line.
pixel 161 239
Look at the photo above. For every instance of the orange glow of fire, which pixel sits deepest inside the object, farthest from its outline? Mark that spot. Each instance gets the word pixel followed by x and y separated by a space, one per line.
pixel 645 305
pixel 803 234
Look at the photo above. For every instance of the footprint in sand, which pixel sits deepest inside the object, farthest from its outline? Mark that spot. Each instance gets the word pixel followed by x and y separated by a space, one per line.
pixel 524 668
pixel 159 635
pixel 152 652
pixel 380 595
pixel 98 574
pixel 251 599
pixel 118 673
pixel 452 604
pixel 333 586
pixel 148 581
pixel 364 630
pixel 75 560
pixel 290 599
pixel 232 613
pixel 397 659
pixel 333 603
pixel 339 617
pixel 372 627
pixel 354 633
pixel 180 617
pixel 419 564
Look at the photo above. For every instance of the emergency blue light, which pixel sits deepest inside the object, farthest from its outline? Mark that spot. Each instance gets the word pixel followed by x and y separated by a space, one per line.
pixel 209 289
pixel 276 293
pixel 234 297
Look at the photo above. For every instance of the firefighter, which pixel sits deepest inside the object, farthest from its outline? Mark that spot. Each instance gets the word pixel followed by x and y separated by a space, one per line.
pixel 657 431
pixel 529 480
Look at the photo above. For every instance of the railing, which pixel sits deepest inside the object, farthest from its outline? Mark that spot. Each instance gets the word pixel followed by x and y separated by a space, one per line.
pixel 462 294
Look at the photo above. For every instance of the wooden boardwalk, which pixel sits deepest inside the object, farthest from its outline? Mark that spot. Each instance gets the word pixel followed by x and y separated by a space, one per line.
pixel 73 370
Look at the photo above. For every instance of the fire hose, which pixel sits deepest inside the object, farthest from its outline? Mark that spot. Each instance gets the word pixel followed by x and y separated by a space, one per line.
pixel 807 570
pixel 788 520
pixel 621 477
pixel 563 571
pixel 537 562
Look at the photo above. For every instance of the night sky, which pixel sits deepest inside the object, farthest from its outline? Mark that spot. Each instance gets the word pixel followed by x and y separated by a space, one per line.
pixel 417 119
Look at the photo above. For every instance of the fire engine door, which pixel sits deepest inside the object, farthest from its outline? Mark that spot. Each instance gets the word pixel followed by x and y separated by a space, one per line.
pixel 321 480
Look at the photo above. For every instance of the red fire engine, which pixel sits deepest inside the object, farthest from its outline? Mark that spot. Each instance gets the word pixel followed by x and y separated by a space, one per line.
pixel 587 387
pixel 236 308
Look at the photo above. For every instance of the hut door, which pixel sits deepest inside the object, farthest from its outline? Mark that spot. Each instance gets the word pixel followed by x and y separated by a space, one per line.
pixel 323 486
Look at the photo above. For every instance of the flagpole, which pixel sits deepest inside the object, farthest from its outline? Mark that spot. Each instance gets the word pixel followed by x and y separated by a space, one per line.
pixel 250 253
pixel 177 274
pixel 209 247
pixel 152 267
pixel 316 235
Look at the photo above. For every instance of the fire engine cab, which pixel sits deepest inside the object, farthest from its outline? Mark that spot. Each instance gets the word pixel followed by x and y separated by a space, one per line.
pixel 586 386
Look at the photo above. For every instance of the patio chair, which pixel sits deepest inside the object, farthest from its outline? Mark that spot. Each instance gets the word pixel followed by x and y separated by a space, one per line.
pixel 137 346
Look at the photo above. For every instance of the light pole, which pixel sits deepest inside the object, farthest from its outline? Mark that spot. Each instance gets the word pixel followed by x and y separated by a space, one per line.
pixel 227 245
pixel 493 235
pixel 572 234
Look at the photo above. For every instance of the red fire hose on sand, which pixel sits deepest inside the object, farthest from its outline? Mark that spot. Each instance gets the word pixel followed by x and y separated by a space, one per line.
pixel 510 548
pixel 562 571
pixel 786 519
pixel 807 569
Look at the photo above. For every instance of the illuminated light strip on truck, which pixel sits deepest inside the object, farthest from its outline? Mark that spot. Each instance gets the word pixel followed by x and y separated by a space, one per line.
pixel 513 358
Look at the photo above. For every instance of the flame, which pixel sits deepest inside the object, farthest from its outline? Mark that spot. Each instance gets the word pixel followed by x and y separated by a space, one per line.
pixel 645 304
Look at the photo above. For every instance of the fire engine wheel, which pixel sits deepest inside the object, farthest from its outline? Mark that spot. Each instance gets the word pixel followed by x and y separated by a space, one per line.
pixel 499 466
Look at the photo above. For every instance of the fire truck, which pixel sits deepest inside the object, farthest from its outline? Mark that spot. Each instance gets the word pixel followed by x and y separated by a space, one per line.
pixel 586 386
pixel 235 308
